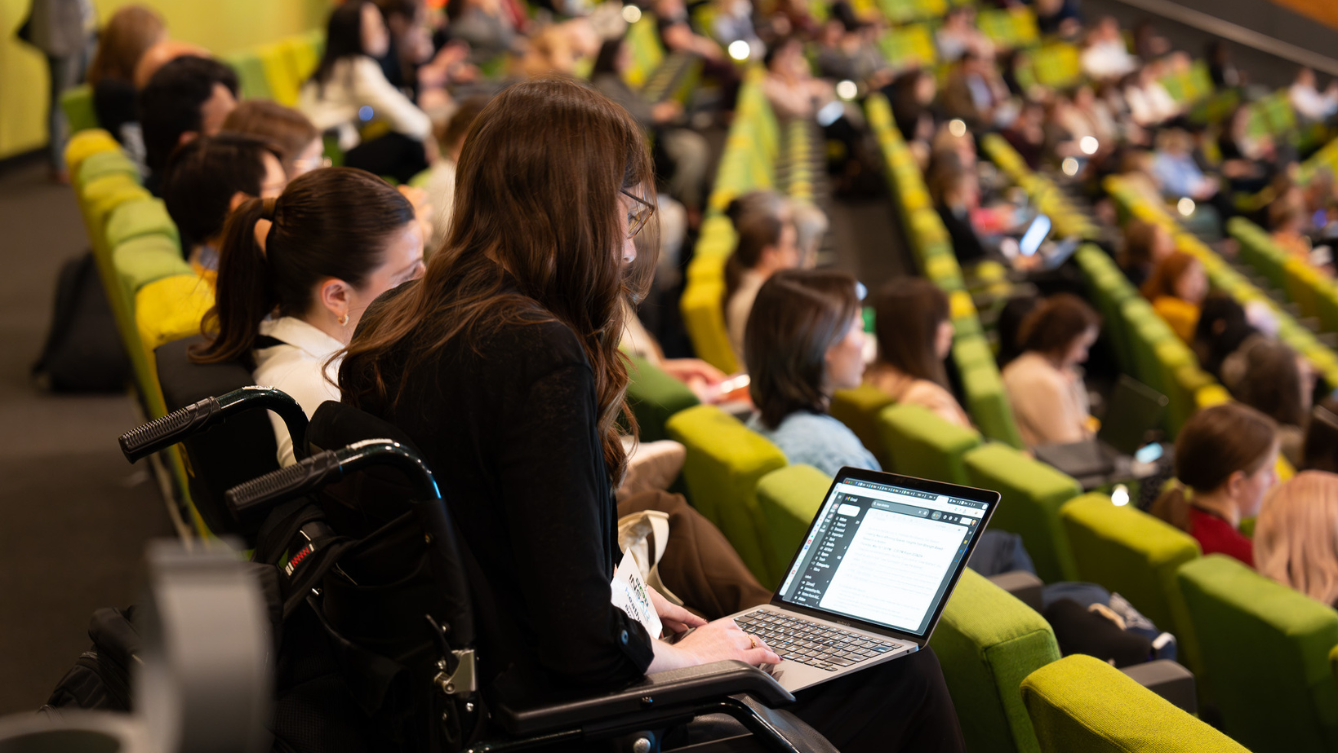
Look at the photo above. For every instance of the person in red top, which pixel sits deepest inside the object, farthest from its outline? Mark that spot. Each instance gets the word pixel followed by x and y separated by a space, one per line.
pixel 1226 456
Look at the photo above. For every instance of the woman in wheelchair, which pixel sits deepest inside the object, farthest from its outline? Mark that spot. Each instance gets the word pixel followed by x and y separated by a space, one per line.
pixel 296 274
pixel 501 365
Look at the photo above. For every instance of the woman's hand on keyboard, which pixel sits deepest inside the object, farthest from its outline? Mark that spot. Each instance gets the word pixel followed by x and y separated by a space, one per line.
pixel 722 640
pixel 676 619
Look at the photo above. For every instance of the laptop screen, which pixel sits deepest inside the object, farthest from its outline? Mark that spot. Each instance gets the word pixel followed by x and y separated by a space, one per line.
pixel 885 553
pixel 1036 234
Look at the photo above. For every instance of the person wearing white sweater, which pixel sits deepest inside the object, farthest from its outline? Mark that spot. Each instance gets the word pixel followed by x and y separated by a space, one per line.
pixel 349 90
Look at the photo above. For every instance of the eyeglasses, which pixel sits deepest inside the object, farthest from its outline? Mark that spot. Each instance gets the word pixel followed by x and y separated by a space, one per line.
pixel 637 217
pixel 314 163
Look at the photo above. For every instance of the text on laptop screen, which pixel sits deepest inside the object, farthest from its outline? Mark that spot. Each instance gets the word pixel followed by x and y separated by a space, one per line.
pixel 883 554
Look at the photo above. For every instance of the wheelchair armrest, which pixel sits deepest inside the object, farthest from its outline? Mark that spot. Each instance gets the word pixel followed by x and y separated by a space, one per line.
pixel 1168 680
pixel 656 692
pixel 1023 585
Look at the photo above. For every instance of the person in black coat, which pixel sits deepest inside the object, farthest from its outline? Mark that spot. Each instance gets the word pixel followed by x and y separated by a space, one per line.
pixel 501 364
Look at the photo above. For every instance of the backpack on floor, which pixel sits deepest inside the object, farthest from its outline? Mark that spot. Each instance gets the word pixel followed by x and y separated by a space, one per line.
pixel 83 350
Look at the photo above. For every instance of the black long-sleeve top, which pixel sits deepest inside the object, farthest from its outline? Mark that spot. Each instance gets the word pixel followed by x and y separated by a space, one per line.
pixel 509 429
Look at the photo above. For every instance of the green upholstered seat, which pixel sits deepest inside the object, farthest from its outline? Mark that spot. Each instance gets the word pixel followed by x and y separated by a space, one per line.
pixel 971 351
pixel 988 404
pixel 1265 652
pixel 138 218
pixel 919 443
pixel 1033 493
pixel 725 460
pixel 1124 549
pixel 987 642
pixel 85 144
pixel 146 258
pixel 704 317
pixel 789 498
pixel 102 164
pixel 1080 703
pixel 654 396
pixel 77 104
pixel 250 75
pixel 858 409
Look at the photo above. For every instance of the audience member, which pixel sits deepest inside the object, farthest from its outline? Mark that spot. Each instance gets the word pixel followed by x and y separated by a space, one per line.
pixel 1310 105
pixel 1059 17
pixel 1146 244
pixel 913 105
pixel 1277 381
pixel 688 153
pixel 955 191
pixel 1225 455
pixel 958 35
pixel 286 130
pixel 1149 103
pixel 1044 384
pixel 485 25
pixel 1223 328
pixel 440 185
pixel 498 365
pixel 1320 449
pixel 1296 539
pixel 1009 326
pixel 349 90
pixel 205 180
pixel 790 86
pixel 1221 69
pixel 805 340
pixel 1026 134
pixel 1106 56
pixel 975 93
pixel 188 97
pixel 297 272
pixel 129 33
pixel 914 337
pixel 767 243
pixel 1176 288
pixel 161 54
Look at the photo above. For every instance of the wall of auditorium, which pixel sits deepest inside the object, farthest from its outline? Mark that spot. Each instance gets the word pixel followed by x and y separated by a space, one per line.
pixel 219 26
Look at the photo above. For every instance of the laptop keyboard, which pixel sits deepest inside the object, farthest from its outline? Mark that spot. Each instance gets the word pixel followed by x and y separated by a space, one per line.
pixel 796 639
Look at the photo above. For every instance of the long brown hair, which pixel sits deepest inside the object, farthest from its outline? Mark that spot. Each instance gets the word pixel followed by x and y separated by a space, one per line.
pixel 798 316
pixel 129 33
pixel 328 223
pixel 1166 274
pixel 1213 444
pixel 538 190
pixel 1053 326
pixel 759 218
pixel 907 315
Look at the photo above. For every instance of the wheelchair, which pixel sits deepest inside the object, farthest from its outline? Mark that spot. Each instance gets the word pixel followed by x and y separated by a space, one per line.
pixel 375 620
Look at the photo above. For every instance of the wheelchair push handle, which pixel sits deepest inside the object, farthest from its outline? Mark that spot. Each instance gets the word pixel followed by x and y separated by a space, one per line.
pixel 179 425
pixel 325 467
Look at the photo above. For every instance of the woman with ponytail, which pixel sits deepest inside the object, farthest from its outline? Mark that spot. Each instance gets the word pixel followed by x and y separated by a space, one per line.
pixel 767 243
pixel 296 274
pixel 1225 455
pixel 502 365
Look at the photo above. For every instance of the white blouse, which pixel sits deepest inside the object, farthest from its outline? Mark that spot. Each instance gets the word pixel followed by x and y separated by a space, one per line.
pixel 358 82
pixel 295 368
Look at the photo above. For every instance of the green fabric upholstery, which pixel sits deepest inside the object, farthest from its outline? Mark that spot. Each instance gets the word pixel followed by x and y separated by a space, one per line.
pixel 920 443
pixel 789 498
pixel 858 409
pixel 1265 654
pixel 102 164
pixel 987 642
pixel 85 144
pixel 137 218
pixel 1124 549
pixel 1081 703
pixel 1032 494
pixel 988 404
pixel 77 104
pixel 139 261
pixel 725 460
pixel 972 351
pixel 655 396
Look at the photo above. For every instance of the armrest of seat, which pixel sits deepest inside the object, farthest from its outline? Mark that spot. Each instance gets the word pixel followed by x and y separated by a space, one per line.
pixel 656 692
pixel 1168 680
pixel 1022 584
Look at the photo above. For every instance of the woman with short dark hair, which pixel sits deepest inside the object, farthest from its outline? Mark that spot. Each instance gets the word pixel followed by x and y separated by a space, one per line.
pixel 805 340
pixel 1044 384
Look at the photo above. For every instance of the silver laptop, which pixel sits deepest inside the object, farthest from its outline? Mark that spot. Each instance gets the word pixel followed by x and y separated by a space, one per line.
pixel 869 583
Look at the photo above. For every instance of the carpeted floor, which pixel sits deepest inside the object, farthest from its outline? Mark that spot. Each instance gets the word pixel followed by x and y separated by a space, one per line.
pixel 74 516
